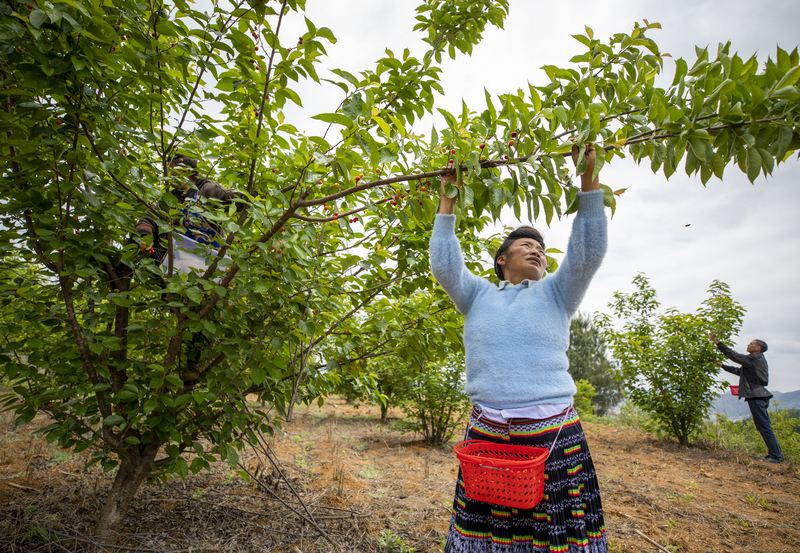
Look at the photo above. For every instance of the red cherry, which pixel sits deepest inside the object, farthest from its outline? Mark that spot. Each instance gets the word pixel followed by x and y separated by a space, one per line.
pixel 378 171
pixel 452 152
pixel 505 158
pixel 514 134
pixel 482 146
pixel 358 177
pixel 511 142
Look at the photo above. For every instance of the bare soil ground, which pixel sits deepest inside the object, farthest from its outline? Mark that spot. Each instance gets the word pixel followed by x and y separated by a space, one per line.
pixel 359 479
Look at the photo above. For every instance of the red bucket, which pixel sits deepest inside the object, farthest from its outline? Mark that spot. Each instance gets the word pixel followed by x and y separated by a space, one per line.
pixel 502 474
pixel 734 389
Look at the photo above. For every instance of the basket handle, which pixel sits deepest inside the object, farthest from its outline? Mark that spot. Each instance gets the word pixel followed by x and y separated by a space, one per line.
pixel 494 468
pixel 563 422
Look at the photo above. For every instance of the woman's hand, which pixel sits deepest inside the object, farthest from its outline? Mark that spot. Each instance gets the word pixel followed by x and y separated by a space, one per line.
pixel 447 205
pixel 587 183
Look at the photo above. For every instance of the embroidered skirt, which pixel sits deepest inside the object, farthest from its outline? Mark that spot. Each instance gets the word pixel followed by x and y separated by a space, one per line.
pixel 570 517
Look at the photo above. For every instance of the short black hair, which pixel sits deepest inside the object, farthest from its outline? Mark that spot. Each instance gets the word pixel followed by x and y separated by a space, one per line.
pixel 182 159
pixel 521 232
pixel 761 343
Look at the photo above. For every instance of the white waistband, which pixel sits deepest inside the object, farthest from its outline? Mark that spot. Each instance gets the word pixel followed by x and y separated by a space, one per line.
pixel 544 411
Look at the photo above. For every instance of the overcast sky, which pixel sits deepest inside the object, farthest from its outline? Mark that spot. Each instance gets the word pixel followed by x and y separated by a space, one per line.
pixel 745 235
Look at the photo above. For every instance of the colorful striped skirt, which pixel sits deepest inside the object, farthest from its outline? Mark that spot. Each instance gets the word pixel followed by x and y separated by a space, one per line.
pixel 570 517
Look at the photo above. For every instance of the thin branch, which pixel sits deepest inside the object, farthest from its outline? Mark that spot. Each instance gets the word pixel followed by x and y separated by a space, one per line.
pixel 86 356
pixel 340 215
pixel 265 95
pixel 152 210
pixel 204 65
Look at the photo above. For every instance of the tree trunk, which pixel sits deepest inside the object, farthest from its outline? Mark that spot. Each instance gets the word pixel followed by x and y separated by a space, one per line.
pixel 134 468
pixel 384 413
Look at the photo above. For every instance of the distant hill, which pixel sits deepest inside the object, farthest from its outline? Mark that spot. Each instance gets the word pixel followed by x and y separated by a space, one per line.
pixel 733 408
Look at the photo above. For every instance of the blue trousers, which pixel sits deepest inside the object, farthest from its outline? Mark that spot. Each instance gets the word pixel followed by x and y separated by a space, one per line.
pixel 758 408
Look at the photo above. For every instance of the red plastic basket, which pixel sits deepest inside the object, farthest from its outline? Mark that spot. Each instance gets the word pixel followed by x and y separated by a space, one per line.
pixel 502 474
pixel 734 389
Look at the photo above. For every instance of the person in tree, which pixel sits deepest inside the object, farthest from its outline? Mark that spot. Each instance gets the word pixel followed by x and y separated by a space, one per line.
pixel 516 335
pixel 753 377
pixel 190 191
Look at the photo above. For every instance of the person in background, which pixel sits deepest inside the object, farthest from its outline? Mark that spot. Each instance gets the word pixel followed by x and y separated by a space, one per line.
pixel 753 377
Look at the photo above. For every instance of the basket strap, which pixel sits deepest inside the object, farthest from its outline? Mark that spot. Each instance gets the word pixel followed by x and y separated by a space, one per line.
pixel 563 422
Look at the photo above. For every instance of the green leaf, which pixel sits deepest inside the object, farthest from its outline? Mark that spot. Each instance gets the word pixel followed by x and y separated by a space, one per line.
pixel 353 106
pixel 113 420
pixel 37 18
pixel 680 71
pixel 387 130
pixel 790 78
pixel 753 163
pixel 194 294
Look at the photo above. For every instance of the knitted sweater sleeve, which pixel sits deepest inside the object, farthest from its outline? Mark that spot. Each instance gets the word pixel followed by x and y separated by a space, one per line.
pixel 585 251
pixel 447 264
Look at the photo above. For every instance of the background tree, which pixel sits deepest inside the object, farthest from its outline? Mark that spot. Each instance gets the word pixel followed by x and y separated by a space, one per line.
pixel 148 367
pixel 588 360
pixel 668 364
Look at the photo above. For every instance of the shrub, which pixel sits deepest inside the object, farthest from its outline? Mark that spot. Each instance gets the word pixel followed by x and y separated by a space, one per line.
pixel 436 402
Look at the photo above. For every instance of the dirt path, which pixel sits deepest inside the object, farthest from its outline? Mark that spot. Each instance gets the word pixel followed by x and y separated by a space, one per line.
pixel 688 500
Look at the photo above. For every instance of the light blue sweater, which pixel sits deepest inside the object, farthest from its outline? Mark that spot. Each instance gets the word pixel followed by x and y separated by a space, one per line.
pixel 516 336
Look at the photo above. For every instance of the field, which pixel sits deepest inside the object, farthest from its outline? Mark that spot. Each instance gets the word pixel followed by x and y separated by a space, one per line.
pixel 367 487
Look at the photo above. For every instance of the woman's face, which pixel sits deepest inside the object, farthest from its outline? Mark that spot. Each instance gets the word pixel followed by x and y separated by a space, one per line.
pixel 524 259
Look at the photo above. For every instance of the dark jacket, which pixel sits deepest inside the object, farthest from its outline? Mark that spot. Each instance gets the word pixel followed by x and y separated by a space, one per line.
pixel 753 373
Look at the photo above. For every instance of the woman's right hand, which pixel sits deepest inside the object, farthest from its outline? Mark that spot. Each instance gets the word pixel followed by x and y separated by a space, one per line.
pixel 447 205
